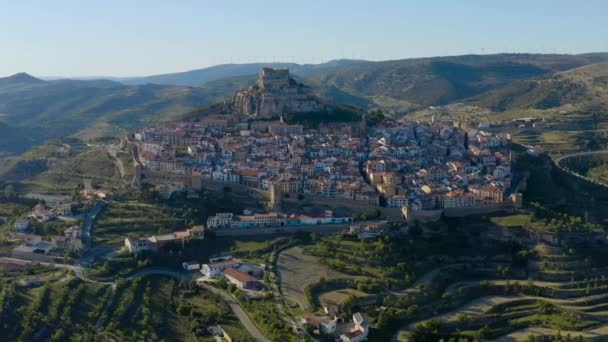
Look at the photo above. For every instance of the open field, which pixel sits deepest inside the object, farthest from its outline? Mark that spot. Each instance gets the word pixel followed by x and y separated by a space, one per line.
pixel 519 220
pixel 69 172
pixel 338 297
pixel 599 174
pixel 298 270
pixel 133 218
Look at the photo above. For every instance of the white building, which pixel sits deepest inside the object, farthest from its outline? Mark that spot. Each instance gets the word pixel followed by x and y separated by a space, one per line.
pixel 360 332
pixel 135 245
pixel 191 265
pixel 325 324
pixel 220 220
pixel 216 269
pixel 22 225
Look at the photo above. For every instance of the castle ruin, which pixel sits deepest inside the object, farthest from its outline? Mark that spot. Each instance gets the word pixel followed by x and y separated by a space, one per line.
pixel 275 92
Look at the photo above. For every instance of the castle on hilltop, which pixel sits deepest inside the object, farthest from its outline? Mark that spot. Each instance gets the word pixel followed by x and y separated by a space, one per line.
pixel 275 92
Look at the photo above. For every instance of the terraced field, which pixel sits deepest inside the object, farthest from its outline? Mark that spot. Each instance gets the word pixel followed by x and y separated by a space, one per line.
pixel 298 270
pixel 65 308
pixel 565 293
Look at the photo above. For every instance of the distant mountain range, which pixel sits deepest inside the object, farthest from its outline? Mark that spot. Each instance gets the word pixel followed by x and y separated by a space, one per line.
pixel 93 108
pixel 199 77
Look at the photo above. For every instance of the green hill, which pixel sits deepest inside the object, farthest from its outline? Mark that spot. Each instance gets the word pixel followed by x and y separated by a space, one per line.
pixel 581 87
pixel 33 112
pixel 441 80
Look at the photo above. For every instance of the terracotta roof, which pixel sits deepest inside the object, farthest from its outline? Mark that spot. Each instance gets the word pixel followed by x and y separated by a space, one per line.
pixel 238 275
pixel 223 263
pixel 353 334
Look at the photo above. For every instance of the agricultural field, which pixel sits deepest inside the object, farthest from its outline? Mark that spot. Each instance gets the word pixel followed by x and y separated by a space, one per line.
pixel 157 308
pixel 599 173
pixel 298 270
pixel 431 284
pixel 566 292
pixel 135 218
pixel 64 308
pixel 70 172
pixel 339 297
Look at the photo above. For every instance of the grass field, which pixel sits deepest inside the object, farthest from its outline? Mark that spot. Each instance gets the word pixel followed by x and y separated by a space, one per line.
pixel 599 173
pixel 512 220
pixel 338 297
pixel 69 172
pixel 133 218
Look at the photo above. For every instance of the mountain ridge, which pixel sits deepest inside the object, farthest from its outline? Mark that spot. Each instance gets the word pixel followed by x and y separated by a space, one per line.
pixel 94 108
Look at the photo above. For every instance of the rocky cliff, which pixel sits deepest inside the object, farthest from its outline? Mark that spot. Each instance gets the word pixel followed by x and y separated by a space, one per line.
pixel 274 93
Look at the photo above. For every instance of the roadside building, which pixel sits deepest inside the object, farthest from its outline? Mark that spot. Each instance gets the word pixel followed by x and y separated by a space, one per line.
pixel 191 265
pixel 360 332
pixel 216 269
pixel 240 279
pixel 325 324
pixel 135 245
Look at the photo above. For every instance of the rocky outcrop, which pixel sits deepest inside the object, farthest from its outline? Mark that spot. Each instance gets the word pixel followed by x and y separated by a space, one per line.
pixel 274 93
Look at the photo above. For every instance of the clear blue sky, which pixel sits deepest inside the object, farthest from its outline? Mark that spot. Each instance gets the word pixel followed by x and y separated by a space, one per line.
pixel 131 38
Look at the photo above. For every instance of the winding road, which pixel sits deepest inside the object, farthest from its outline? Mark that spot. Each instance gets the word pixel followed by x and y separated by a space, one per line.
pixel 579 154
pixel 234 306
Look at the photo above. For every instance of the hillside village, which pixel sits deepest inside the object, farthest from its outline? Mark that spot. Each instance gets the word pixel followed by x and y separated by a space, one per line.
pixel 395 164
pixel 369 181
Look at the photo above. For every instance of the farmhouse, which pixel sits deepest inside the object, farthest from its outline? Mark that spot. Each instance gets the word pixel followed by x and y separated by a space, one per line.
pixel 216 269
pixel 359 333
pixel 325 324
pixel 135 245
pixel 240 279
pixel 191 265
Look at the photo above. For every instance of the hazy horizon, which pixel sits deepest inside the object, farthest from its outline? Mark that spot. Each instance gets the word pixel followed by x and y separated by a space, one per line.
pixel 93 77
pixel 69 38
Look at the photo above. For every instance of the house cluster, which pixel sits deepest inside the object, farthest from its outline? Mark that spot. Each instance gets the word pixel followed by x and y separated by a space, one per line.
pixel 330 323
pixel 35 248
pixel 262 154
pixel 425 166
pixel 42 213
pixel 366 231
pixel 154 242
pixel 261 220
pixel 244 276
pixel 438 166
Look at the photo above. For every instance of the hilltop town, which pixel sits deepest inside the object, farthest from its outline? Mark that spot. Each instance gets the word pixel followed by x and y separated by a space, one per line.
pixel 394 164
pixel 298 226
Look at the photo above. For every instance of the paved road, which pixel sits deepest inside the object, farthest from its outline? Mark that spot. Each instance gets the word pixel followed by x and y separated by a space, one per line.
pixel 239 312
pixel 579 154
pixel 236 307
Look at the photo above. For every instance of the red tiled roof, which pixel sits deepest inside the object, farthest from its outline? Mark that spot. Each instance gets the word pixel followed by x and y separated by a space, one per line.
pixel 238 275
pixel 354 333
pixel 223 263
